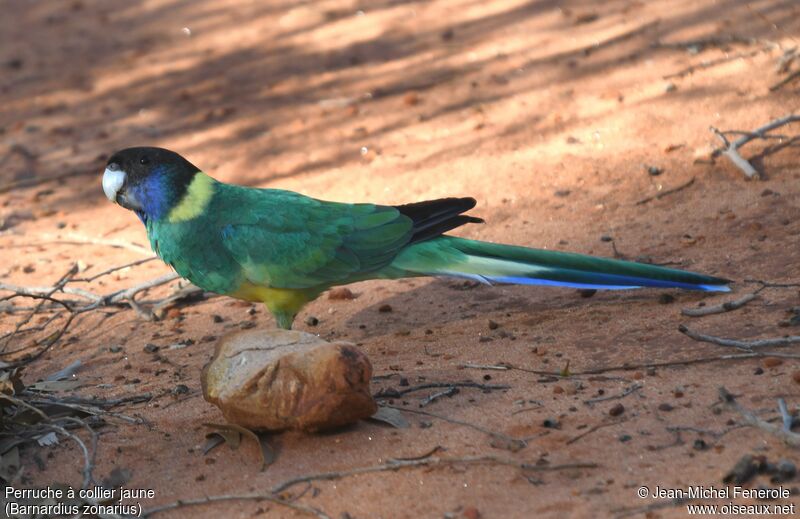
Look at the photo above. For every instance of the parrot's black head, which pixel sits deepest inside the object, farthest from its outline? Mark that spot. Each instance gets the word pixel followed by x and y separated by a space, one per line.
pixel 148 181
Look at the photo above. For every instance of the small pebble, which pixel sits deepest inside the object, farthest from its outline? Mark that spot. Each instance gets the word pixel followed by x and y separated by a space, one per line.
pixel 758 371
pixel 385 309
pixel 217 318
pixel 616 410
pixel 625 438
pixel 700 445
pixel 665 407
pixel 771 362
pixel 472 513
pixel 558 390
pixel 340 293
pixel 115 349
pixel 654 171
pixel 493 325
pixel 151 348
pixel 651 371
pixel 411 99
pixel 551 423
pixel 180 389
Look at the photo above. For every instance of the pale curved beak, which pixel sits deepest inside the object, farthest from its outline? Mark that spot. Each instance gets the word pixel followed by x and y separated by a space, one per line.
pixel 113 180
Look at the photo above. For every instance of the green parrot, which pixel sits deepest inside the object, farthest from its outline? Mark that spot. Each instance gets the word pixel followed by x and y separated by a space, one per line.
pixel 284 249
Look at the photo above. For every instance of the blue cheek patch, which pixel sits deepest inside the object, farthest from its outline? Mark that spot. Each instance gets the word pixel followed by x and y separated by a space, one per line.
pixel 153 195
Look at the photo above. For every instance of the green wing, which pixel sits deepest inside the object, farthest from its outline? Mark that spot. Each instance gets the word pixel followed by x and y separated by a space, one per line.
pixel 283 239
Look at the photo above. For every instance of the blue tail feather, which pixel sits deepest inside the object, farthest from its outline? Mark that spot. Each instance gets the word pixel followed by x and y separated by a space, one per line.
pixel 606 282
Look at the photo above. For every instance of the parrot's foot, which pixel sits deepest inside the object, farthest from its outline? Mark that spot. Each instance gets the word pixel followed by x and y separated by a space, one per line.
pixel 284 320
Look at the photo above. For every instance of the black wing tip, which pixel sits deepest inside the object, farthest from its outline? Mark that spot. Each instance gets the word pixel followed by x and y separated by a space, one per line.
pixel 432 218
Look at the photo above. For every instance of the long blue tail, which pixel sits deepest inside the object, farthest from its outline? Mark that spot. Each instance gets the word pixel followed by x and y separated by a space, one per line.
pixel 496 263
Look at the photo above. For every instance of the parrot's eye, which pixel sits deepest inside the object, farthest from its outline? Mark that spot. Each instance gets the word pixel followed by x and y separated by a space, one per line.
pixel 144 161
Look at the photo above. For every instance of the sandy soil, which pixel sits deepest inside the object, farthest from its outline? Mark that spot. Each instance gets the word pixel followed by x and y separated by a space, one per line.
pixel 548 112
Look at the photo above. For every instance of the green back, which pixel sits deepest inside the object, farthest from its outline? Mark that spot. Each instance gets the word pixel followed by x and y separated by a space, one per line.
pixel 280 239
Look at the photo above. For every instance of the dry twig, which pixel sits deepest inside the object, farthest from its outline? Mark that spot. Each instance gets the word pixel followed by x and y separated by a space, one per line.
pixel 741 345
pixel 705 64
pixel 391 392
pixel 509 440
pixel 396 464
pixel 592 429
pixel 731 148
pixel 783 432
pixel 628 390
pixel 727 306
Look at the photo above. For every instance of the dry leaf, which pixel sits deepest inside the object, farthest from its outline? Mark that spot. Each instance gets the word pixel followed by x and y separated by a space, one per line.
pixel 232 434
pixel 391 416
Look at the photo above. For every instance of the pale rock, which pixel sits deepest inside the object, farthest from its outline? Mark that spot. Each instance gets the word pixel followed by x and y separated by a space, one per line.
pixel 283 379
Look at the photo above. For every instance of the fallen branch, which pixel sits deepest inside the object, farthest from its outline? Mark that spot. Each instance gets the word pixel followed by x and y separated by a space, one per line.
pixel 484 366
pixel 741 345
pixel 510 440
pixel 689 362
pixel 727 306
pixel 391 392
pixel 731 148
pixel 114 269
pixel 432 398
pixel 593 429
pixel 714 434
pixel 628 390
pixel 49 423
pixel 718 61
pixel 711 41
pixel 45 296
pixel 785 81
pixel 783 432
pixel 536 405
pixel 118 297
pixel 397 464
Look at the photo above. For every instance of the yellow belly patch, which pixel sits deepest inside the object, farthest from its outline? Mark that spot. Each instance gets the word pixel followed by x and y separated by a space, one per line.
pixel 285 300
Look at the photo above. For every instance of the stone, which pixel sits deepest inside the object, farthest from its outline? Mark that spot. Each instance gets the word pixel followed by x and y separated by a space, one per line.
pixel 284 379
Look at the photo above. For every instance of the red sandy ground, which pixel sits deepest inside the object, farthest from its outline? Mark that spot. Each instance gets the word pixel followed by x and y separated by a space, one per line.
pixel 547 112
